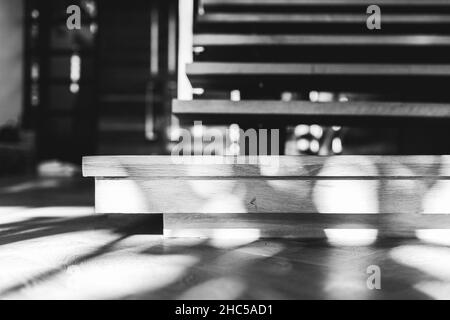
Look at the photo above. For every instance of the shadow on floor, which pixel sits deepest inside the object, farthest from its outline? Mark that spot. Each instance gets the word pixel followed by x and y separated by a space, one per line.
pixel 263 269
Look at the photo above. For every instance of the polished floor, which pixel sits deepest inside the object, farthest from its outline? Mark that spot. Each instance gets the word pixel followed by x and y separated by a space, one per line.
pixel 52 246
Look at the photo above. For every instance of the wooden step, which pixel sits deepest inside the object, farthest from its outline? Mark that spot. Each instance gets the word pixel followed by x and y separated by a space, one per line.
pixel 322 69
pixel 287 167
pixel 276 196
pixel 293 112
pixel 298 226
pixel 406 3
pixel 319 40
pixel 370 77
pixel 323 48
pixel 319 18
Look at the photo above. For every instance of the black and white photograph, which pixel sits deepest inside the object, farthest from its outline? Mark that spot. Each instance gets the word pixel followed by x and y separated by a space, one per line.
pixel 224 155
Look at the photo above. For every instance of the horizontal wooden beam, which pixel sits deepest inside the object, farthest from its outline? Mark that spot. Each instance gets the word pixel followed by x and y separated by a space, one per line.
pixel 322 69
pixel 288 197
pixel 286 225
pixel 295 111
pixel 405 3
pixel 320 40
pixel 320 18
pixel 272 167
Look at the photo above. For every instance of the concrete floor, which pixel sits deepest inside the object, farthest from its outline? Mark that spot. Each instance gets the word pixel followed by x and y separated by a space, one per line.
pixel 52 246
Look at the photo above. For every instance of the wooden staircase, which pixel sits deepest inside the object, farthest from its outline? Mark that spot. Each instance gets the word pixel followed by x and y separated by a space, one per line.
pixel 262 48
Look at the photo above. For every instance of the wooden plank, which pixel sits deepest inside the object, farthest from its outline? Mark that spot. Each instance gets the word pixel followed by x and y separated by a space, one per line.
pixel 255 196
pixel 407 3
pixel 294 110
pixel 304 226
pixel 321 69
pixel 320 18
pixel 320 40
pixel 274 167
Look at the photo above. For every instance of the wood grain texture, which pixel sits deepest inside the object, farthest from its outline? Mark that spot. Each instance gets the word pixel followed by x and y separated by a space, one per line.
pixel 322 18
pixel 137 196
pixel 275 167
pixel 285 225
pixel 320 40
pixel 306 108
pixel 323 69
pixel 300 197
pixel 405 3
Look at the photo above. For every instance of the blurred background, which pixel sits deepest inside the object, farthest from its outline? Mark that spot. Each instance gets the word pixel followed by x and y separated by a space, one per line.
pixel 107 89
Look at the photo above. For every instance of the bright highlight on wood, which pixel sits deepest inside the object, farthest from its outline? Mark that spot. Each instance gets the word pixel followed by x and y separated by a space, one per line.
pixel 285 197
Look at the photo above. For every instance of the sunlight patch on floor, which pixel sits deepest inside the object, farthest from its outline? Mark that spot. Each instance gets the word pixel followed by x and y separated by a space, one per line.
pixel 434 236
pixel 264 249
pixel 351 237
pixel 24 260
pixel 10 215
pixel 433 261
pixel 225 288
pixel 109 276
pixel 436 289
pixel 32 185
pixel 229 238
pixel 345 279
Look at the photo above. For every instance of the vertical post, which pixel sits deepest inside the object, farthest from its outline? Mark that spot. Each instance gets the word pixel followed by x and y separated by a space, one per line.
pixel 186 40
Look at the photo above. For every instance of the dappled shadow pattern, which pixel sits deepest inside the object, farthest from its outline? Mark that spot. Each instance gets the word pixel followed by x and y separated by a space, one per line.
pixel 215 269
pixel 269 269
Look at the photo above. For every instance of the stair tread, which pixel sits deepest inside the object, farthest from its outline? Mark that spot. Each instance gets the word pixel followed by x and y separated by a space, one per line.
pixel 304 108
pixel 235 68
pixel 326 18
pixel 324 2
pixel 293 166
pixel 337 40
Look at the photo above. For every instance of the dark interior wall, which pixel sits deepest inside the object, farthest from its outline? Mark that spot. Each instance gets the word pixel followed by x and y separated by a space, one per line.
pixel 11 60
pixel 136 73
pixel 60 86
pixel 123 101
